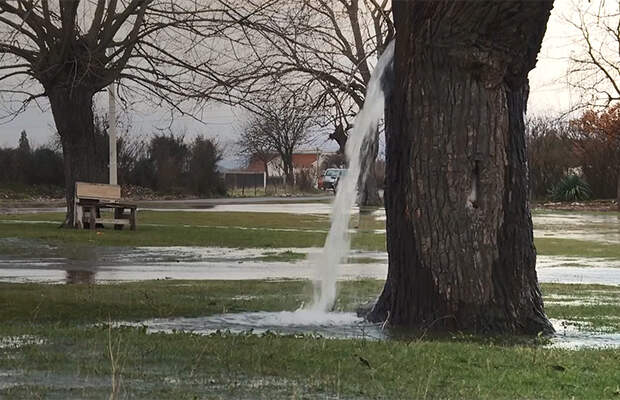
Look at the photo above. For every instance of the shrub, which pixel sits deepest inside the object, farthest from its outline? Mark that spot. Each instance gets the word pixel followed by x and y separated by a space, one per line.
pixel 571 188
pixel 305 180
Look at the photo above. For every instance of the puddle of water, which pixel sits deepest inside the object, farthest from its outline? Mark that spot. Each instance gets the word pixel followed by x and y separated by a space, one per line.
pixel 16 342
pixel 88 264
pixel 289 208
pixel 598 275
pixel 605 236
pixel 333 325
pixel 566 300
pixel 562 261
pixel 576 219
pixel 573 336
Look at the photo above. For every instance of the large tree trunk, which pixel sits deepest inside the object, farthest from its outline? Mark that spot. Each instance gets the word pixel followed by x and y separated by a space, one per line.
pixel 73 114
pixel 618 191
pixel 459 229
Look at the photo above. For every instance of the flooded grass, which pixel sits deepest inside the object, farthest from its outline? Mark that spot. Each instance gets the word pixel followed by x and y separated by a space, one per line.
pixel 66 356
pixel 577 248
pixel 59 344
pixel 277 230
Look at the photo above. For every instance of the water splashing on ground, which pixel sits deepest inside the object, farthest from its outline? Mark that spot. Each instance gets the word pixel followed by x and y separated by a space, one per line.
pixel 338 241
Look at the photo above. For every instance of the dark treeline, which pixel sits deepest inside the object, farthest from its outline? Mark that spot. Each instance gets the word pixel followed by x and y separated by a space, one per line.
pixel 164 163
pixel 27 166
pixel 167 164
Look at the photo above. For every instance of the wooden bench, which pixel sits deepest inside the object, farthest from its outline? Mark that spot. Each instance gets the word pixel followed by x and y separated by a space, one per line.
pixel 90 198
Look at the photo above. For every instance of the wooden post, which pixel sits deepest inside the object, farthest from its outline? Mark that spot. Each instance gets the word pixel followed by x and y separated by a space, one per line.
pixel 132 219
pixel 112 132
pixel 92 217
pixel 118 214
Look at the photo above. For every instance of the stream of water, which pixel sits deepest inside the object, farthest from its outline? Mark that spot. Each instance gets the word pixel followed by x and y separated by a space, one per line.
pixel 338 241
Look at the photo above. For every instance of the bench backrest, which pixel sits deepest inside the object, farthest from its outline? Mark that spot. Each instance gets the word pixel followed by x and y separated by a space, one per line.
pixel 97 191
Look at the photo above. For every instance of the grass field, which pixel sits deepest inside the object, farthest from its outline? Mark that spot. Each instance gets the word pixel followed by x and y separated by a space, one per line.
pixel 63 341
pixel 248 230
pixel 70 350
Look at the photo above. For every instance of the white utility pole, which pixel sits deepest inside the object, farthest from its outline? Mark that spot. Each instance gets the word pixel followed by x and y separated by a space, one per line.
pixel 112 133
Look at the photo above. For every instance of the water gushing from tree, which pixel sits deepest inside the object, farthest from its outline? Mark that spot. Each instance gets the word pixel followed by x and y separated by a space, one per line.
pixel 338 241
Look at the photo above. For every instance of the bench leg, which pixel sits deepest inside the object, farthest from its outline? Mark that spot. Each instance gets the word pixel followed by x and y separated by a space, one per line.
pixel 93 217
pixel 132 219
pixel 79 217
pixel 118 214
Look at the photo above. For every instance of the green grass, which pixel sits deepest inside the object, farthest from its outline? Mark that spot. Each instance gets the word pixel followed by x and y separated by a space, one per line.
pixel 79 353
pixel 205 218
pixel 82 303
pixel 71 304
pixel 74 360
pixel 576 248
pixel 178 235
pixel 223 236
pixel 241 366
pixel 254 230
pixel 229 219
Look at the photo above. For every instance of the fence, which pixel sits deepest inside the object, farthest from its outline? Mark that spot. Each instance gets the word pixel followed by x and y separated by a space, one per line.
pixel 245 180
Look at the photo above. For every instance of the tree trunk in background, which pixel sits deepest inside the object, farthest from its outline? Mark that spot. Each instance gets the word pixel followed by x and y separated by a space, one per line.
pixel 73 114
pixel 288 169
pixel 459 228
pixel 368 187
pixel 368 191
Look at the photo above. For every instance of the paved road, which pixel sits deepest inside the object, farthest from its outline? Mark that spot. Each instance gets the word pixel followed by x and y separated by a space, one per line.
pixel 58 206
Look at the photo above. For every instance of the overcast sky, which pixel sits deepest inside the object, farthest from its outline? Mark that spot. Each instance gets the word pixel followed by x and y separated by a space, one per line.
pixel 549 94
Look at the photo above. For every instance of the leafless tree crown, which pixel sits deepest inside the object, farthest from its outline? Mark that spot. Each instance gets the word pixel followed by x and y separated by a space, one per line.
pixel 595 70
pixel 164 51
pixel 323 47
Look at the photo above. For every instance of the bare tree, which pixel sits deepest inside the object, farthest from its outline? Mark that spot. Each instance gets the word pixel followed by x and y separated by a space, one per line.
pixel 155 50
pixel 595 71
pixel 596 141
pixel 550 154
pixel 281 128
pixel 254 146
pixel 324 47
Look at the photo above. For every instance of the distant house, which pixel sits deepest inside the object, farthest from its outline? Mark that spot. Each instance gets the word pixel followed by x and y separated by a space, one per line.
pixel 306 160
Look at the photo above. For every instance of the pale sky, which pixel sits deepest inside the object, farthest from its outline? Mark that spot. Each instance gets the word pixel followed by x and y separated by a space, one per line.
pixel 549 94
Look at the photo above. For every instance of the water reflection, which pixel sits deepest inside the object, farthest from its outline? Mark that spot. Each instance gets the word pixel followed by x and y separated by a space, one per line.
pixel 80 276
pixel 24 260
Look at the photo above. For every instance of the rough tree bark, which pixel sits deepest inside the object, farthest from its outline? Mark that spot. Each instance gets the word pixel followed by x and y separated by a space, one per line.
pixel 459 228
pixel 618 191
pixel 72 109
